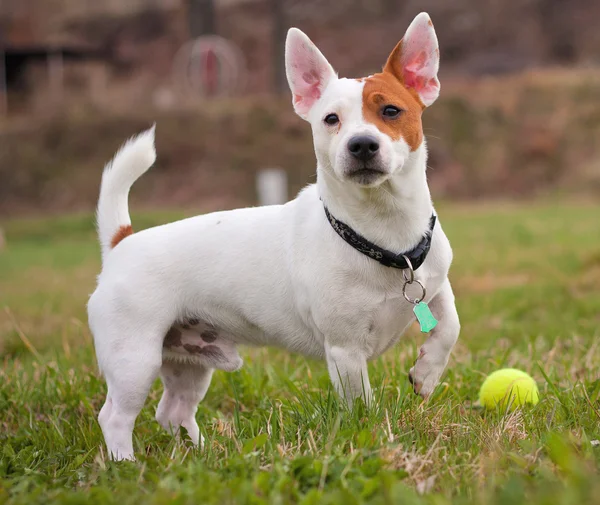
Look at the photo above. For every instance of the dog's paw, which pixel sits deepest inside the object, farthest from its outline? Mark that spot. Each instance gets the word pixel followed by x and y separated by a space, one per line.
pixel 122 456
pixel 425 375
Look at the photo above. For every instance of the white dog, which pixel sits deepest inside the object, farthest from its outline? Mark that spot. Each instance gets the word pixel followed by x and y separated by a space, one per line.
pixel 325 275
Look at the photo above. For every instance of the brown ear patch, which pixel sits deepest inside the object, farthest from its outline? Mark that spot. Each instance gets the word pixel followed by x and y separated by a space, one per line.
pixel 122 232
pixel 386 89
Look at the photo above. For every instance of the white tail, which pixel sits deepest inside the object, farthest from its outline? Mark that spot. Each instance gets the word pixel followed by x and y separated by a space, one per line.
pixel 131 161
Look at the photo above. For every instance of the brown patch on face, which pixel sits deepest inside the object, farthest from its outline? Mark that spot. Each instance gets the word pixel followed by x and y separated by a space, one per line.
pixel 193 322
pixel 122 232
pixel 387 88
pixel 209 336
pixel 173 338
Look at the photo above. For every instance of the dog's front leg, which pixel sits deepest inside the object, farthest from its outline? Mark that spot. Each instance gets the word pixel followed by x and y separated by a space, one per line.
pixel 434 354
pixel 348 372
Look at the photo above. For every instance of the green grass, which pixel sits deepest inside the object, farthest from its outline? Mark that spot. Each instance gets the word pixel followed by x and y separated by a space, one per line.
pixel 526 280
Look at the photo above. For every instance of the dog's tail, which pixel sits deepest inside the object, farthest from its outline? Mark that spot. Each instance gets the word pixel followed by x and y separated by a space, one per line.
pixel 133 159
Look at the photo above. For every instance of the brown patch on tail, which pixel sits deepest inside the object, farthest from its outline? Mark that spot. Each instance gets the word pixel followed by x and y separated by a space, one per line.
pixel 123 232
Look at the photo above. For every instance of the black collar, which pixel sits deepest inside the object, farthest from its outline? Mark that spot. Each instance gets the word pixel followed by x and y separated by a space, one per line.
pixel 387 258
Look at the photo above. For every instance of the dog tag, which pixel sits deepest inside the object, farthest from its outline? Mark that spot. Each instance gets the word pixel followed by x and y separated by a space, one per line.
pixel 426 319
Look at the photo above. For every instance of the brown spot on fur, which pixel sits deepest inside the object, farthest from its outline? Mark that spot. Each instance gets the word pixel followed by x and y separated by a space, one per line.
pixel 193 322
pixel 186 326
pixel 430 23
pixel 384 89
pixel 212 351
pixel 173 338
pixel 209 336
pixel 123 232
pixel 387 88
pixel 193 349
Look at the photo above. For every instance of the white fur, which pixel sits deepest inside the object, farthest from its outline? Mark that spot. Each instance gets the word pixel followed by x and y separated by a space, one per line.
pixel 128 165
pixel 276 275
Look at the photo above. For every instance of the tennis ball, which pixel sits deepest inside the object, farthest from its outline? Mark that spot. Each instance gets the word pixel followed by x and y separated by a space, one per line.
pixel 508 387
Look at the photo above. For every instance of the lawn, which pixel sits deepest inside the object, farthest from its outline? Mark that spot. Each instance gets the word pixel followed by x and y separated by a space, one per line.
pixel 527 283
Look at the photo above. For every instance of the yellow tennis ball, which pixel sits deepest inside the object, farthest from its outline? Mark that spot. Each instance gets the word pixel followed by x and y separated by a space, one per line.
pixel 508 387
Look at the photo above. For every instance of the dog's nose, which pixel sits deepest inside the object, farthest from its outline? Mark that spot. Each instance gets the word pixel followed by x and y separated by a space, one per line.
pixel 363 147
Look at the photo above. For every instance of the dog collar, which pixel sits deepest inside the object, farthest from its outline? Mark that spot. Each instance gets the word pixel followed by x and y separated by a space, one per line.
pixel 416 256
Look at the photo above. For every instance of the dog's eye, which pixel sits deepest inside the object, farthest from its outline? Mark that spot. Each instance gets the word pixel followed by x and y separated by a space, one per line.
pixel 332 119
pixel 391 111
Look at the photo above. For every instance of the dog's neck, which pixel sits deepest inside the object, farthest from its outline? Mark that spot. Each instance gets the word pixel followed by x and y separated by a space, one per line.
pixel 394 215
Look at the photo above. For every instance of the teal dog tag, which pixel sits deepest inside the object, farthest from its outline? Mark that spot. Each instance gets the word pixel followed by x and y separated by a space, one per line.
pixel 425 317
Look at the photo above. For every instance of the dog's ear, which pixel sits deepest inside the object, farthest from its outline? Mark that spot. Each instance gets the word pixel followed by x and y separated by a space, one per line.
pixel 416 59
pixel 308 72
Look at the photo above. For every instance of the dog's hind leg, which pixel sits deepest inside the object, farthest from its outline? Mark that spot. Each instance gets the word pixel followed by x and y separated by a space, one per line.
pixel 129 378
pixel 185 387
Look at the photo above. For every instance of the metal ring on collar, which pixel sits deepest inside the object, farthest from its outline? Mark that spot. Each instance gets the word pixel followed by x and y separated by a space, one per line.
pixel 416 300
pixel 410 279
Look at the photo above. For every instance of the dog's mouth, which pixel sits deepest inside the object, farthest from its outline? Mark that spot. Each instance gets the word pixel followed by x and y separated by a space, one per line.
pixel 366 176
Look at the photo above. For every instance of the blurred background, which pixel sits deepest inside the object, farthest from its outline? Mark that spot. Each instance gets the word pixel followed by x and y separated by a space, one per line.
pixel 518 117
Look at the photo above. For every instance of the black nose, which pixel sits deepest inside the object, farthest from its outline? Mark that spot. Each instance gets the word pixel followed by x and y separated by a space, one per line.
pixel 363 147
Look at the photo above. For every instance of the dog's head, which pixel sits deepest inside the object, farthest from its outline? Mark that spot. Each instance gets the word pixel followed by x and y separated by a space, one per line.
pixel 365 129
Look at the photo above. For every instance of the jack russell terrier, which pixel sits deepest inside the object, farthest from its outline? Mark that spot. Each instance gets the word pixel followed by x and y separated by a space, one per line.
pixel 338 273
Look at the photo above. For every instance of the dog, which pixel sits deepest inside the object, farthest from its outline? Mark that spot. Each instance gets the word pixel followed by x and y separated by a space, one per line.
pixel 336 274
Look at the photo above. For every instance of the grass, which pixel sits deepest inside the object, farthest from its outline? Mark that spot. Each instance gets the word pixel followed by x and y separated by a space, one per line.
pixel 526 279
